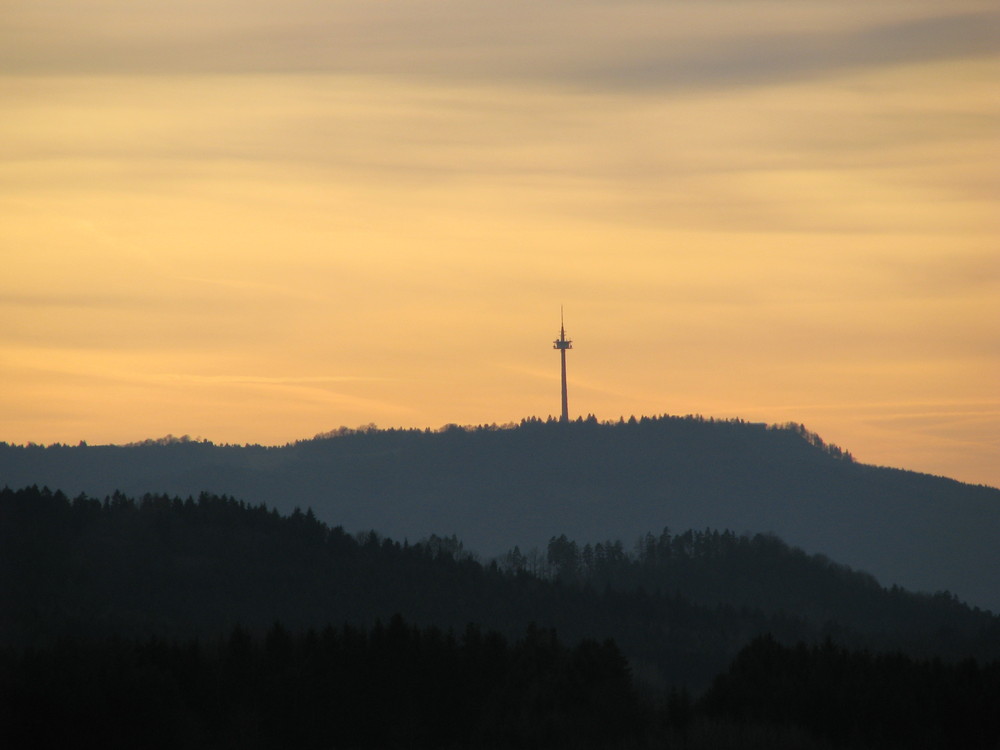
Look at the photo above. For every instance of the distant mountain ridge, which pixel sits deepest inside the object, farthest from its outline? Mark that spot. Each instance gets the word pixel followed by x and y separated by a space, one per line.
pixel 520 485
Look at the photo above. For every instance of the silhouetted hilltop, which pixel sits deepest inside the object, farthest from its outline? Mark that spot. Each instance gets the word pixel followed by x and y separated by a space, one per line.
pixel 521 485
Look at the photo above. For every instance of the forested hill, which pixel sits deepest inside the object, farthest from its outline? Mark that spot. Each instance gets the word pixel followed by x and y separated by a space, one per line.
pixel 521 485
pixel 679 607
pixel 208 623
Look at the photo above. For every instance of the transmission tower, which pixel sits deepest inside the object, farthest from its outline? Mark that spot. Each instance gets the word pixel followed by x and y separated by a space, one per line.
pixel 562 344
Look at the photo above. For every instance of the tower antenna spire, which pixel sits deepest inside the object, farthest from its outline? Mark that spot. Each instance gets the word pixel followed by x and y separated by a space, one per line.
pixel 562 344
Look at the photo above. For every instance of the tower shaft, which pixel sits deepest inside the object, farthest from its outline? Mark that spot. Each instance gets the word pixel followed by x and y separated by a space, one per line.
pixel 562 344
pixel 565 395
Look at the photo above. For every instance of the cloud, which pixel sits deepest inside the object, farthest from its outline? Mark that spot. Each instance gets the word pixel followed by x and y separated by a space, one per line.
pixel 787 57
pixel 607 45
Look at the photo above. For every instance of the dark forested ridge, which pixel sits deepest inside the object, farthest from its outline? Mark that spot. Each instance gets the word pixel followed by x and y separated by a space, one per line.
pixel 679 605
pixel 390 686
pixel 520 485
pixel 860 699
pixel 398 686
pixel 156 618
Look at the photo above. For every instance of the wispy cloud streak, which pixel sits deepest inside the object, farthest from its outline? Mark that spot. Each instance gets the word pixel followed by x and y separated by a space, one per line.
pixel 609 45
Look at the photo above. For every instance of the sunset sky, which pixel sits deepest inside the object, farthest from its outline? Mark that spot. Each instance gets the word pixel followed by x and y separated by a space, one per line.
pixel 253 221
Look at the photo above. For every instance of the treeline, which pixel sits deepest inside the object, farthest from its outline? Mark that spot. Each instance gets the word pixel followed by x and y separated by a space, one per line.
pixel 761 571
pixel 168 566
pixel 861 699
pixel 113 610
pixel 391 686
pixel 399 686
pixel 680 605
pixel 194 567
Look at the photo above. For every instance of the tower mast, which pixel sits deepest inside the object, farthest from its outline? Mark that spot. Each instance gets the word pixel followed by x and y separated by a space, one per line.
pixel 562 344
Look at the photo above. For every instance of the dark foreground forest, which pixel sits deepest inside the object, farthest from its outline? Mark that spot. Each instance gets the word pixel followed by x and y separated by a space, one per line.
pixel 210 623
pixel 397 686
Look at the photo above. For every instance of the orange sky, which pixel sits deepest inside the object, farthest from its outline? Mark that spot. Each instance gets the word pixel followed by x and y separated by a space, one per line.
pixel 252 222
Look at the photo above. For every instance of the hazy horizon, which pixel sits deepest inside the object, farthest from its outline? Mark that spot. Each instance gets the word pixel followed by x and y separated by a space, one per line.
pixel 253 223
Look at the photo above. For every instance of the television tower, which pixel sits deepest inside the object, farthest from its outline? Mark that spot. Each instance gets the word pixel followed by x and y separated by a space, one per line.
pixel 562 344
